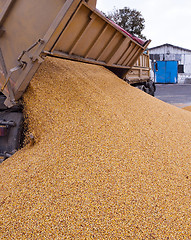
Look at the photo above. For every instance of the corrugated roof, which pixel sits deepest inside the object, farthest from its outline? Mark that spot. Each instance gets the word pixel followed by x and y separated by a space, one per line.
pixel 169 45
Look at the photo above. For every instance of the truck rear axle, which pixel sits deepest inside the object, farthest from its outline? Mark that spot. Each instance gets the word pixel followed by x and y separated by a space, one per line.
pixel 11 130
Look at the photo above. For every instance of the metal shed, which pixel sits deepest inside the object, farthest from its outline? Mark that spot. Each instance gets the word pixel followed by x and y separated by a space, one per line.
pixel 174 59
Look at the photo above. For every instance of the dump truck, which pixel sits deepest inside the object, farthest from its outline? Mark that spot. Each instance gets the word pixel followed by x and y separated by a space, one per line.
pixel 69 29
pixel 140 74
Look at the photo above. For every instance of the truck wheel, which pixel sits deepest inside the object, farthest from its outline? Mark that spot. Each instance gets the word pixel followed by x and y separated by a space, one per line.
pixel 142 88
pixel 151 87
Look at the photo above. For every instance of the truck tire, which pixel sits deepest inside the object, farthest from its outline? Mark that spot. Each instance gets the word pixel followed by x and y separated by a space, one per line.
pixel 152 88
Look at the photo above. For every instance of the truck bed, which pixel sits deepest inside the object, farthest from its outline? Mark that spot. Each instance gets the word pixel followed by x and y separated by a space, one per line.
pixel 71 29
pixel 140 72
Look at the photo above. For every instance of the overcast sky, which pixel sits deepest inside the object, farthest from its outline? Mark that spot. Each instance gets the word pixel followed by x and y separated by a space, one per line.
pixel 166 21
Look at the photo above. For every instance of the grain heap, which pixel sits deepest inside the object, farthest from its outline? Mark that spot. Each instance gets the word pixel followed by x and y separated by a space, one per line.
pixel 109 161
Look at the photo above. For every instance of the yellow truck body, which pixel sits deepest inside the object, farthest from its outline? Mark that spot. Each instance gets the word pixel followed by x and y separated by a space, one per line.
pixel 140 72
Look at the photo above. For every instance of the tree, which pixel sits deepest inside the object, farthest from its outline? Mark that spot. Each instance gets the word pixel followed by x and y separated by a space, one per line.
pixel 130 20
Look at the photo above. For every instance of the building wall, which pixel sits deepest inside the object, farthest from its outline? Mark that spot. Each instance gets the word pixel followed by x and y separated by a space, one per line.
pixel 173 53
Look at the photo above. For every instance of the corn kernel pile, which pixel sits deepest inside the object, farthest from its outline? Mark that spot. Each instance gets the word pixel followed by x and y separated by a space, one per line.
pixel 108 161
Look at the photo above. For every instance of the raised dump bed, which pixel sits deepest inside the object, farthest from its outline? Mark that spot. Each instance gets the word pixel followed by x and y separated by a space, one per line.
pixel 73 29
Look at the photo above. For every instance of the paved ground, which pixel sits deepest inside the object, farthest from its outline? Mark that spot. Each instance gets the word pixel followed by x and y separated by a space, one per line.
pixel 176 94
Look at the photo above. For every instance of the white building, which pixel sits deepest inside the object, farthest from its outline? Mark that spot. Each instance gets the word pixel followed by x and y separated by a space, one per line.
pixel 168 52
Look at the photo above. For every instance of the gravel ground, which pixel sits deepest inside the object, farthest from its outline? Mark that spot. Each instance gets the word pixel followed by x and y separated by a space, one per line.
pixel 108 161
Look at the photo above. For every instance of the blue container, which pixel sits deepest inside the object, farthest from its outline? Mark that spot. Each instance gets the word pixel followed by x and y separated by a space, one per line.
pixel 166 72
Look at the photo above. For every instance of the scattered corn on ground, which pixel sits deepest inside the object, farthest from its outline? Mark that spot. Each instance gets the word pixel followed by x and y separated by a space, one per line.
pixel 188 108
pixel 108 162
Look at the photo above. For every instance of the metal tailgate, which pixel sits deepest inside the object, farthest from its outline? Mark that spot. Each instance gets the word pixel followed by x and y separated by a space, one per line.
pixel 140 72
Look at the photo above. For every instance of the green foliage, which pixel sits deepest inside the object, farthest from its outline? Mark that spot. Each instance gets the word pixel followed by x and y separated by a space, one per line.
pixel 130 20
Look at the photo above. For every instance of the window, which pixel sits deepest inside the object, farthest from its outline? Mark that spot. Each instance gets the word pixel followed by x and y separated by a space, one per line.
pixel 180 68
